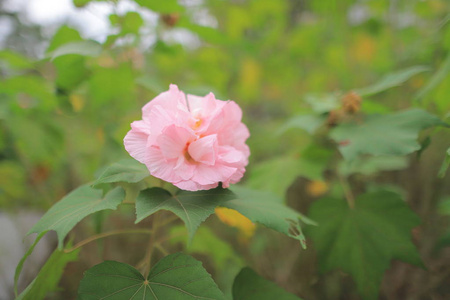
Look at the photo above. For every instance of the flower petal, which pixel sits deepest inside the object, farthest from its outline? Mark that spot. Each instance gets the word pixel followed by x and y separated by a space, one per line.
pixel 173 141
pixel 203 150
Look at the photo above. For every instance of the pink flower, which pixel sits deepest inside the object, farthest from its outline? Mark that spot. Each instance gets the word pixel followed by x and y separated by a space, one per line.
pixel 194 143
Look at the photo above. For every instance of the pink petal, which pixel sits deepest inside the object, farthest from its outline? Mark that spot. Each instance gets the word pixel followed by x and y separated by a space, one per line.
pixel 135 143
pixel 184 169
pixel 160 167
pixel 173 141
pixel 203 150
pixel 205 174
pixel 172 100
pixel 193 186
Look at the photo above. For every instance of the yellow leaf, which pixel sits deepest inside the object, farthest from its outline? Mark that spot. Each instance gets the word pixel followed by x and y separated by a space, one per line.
pixel 235 219
pixel 316 188
pixel 77 102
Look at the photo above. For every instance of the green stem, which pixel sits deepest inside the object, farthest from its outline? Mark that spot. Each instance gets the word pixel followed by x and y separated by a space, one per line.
pixel 106 234
pixel 347 191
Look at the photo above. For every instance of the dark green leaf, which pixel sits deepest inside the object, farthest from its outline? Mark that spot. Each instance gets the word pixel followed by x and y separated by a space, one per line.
pixel 126 170
pixel 362 241
pixel 268 210
pixel 177 276
pixel 250 286
pixel 393 134
pixel 192 207
pixel 80 203
pixel 391 80
pixel 48 278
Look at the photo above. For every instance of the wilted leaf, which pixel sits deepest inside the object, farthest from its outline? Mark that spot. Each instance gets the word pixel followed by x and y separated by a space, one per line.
pixel 363 241
pixel 80 203
pixel 250 286
pixel 177 276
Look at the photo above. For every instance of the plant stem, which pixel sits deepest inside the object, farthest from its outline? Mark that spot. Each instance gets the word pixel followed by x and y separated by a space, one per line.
pixel 106 234
pixel 347 191
pixel 147 261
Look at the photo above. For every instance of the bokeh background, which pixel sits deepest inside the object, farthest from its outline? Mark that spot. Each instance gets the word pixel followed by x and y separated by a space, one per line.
pixel 63 119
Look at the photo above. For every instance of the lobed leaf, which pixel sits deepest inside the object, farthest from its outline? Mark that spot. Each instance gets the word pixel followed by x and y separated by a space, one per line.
pixel 250 286
pixel 362 241
pixel 192 207
pixel 176 276
pixel 393 134
pixel 80 203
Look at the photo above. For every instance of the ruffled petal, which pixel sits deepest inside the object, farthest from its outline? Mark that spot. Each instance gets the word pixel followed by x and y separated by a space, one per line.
pixel 203 150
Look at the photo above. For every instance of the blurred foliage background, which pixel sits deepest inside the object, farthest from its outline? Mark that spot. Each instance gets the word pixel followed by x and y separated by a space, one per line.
pixel 64 111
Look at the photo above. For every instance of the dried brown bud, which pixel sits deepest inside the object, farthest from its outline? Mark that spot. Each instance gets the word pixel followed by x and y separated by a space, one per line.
pixel 351 102
pixel 170 19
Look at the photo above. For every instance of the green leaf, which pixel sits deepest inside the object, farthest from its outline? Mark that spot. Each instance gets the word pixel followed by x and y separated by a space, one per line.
pixel 192 207
pixel 322 103
pixel 268 210
pixel 126 170
pixel 22 261
pixel 250 286
pixel 83 48
pixel 15 60
pixel 177 276
pixel 362 241
pixel 445 164
pixel 262 174
pixel 166 6
pixel 208 243
pixel 373 164
pixel 393 134
pixel 391 80
pixel 48 278
pixel 444 206
pixel 80 203
pixel 435 80
pixel 309 123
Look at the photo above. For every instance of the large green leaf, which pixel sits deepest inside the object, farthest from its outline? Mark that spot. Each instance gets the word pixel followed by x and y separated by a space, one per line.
pixel 177 276
pixel 268 210
pixel 126 170
pixel 250 286
pixel 48 278
pixel 393 134
pixel 391 80
pixel 363 241
pixel 80 203
pixel 192 207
